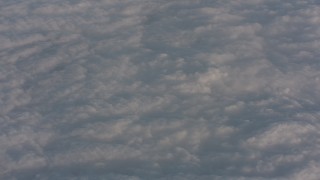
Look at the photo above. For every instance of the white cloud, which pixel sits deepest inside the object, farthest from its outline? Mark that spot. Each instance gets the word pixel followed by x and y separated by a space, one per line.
pixel 159 90
pixel 287 135
pixel 310 172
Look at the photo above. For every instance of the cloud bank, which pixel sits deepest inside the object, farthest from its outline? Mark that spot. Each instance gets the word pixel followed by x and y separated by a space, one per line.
pixel 159 89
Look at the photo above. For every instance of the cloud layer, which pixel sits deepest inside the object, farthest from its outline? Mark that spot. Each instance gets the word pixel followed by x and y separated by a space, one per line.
pixel 159 89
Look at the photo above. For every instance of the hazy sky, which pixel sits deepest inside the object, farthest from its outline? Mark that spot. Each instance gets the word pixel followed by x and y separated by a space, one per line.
pixel 159 89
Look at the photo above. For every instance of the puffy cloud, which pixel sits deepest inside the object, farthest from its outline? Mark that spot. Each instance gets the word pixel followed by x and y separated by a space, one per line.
pixel 284 135
pixel 310 172
pixel 159 90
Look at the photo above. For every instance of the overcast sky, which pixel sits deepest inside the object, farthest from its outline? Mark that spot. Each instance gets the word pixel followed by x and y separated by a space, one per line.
pixel 159 89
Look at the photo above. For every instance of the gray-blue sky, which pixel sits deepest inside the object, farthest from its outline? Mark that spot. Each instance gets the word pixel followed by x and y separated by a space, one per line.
pixel 173 89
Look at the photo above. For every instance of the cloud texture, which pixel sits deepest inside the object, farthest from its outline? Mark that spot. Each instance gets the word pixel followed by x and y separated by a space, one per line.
pixel 141 89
